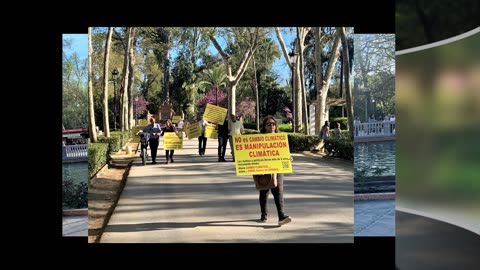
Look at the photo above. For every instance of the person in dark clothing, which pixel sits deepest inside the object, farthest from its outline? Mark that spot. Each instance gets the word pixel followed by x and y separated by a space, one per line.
pixel 222 131
pixel 269 125
pixel 169 128
pixel 154 130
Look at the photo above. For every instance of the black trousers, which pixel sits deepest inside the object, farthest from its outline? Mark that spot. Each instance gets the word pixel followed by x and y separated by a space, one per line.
pixel 277 197
pixel 167 156
pixel 202 144
pixel 153 148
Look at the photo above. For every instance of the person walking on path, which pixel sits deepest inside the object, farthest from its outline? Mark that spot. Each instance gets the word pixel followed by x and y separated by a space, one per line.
pixel 324 134
pixel 222 131
pixel 235 127
pixel 154 130
pixel 337 132
pixel 269 125
pixel 169 128
pixel 202 140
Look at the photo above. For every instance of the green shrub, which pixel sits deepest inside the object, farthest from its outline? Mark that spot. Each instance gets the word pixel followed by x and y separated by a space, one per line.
pixel 75 196
pixel 98 156
pixel 113 143
pixel 302 142
pixel 134 131
pixel 251 131
pixel 123 135
pixel 285 128
pixel 342 148
pixel 281 127
pixel 250 125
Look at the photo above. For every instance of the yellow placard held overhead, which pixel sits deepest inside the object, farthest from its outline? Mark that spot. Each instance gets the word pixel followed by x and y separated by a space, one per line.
pixel 262 154
pixel 214 114
pixel 172 141
pixel 176 119
pixel 193 130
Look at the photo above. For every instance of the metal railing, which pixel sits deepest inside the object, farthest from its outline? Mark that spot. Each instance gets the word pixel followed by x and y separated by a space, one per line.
pixel 374 129
pixel 75 151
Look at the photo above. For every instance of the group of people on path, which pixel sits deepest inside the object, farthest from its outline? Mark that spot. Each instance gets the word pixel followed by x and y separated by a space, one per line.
pixel 156 132
pixel 226 131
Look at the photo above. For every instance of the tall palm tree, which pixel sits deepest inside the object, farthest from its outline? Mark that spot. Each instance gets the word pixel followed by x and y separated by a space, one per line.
pixel 215 78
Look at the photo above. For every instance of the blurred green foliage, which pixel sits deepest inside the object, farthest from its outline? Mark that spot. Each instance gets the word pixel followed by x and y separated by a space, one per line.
pixel 438 108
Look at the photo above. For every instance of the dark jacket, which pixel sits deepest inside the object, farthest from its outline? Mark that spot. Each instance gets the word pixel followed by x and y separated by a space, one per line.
pixel 223 129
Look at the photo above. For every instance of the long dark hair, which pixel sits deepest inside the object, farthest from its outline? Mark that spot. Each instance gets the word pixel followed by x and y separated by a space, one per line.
pixel 268 117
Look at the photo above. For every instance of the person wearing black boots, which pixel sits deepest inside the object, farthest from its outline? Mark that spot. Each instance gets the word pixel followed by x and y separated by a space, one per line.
pixel 269 125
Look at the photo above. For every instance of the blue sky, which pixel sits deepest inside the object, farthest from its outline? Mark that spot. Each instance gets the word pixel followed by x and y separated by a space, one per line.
pixel 80 45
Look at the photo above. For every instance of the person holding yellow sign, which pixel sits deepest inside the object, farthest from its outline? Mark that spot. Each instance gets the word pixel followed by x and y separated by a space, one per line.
pixel 235 127
pixel 169 128
pixel 269 125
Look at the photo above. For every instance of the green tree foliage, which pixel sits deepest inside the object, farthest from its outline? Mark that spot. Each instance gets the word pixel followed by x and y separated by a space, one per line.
pixel 75 95
pixel 374 75
pixel 419 22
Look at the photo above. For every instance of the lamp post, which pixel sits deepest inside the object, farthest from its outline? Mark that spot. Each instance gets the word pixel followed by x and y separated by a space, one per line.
pixel 293 60
pixel 366 108
pixel 114 77
pixel 135 110
pixel 374 108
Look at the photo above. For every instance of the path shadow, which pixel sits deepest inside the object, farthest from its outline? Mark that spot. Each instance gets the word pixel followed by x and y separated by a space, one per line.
pixel 180 225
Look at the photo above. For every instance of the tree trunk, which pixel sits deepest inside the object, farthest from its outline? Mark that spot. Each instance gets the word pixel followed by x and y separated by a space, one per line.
pixel 322 94
pixel 318 77
pixel 341 80
pixel 91 110
pixel 348 92
pixel 108 43
pixel 233 80
pixel 301 34
pixel 124 88
pixel 166 71
pixel 257 105
pixel 131 66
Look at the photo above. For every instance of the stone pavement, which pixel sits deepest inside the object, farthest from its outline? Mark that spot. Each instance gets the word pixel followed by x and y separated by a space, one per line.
pixel 75 225
pixel 198 199
pixel 375 218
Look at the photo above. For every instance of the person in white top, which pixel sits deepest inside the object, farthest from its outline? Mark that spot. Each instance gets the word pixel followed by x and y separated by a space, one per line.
pixel 202 140
pixel 235 127
pixel 180 126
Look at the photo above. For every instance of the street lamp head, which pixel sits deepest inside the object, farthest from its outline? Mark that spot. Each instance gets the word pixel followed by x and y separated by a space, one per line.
pixel 115 73
pixel 293 57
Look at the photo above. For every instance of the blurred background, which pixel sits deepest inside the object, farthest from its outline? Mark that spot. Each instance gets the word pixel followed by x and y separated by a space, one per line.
pixel 438 107
pixel 438 134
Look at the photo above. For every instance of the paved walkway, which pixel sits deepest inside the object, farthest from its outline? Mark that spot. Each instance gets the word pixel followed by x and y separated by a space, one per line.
pixel 427 243
pixel 197 199
pixel 375 218
pixel 75 225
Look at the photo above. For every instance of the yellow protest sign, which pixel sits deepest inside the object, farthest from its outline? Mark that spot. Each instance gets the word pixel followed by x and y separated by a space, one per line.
pixel 210 131
pixel 193 130
pixel 214 114
pixel 172 141
pixel 176 119
pixel 262 154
